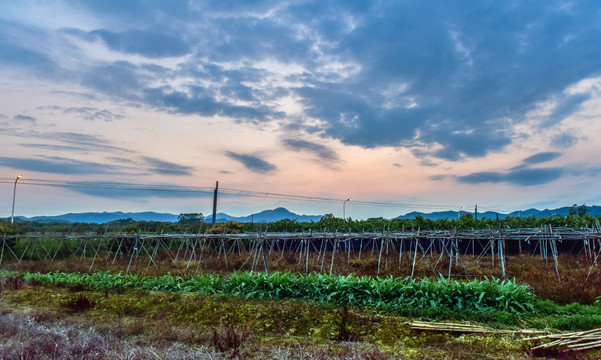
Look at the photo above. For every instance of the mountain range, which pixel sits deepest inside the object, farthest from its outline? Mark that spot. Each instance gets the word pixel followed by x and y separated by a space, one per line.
pixel 282 213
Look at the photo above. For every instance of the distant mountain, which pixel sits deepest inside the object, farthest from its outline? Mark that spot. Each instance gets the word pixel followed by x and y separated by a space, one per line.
pixel 104 217
pixel 562 211
pixel 450 215
pixel 282 213
pixel 432 216
pixel 266 216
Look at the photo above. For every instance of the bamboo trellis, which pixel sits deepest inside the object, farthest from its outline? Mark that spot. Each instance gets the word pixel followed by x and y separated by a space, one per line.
pixel 329 248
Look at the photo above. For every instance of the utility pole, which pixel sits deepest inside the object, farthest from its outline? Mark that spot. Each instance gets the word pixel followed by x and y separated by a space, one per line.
pixel 476 212
pixel 12 215
pixel 215 203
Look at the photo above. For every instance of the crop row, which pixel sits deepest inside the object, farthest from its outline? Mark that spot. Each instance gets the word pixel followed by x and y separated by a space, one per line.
pixel 383 292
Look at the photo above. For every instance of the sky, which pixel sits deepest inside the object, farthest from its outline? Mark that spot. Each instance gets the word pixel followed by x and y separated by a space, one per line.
pixel 398 105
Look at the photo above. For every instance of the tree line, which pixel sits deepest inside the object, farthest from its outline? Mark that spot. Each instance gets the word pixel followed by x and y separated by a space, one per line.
pixel 196 223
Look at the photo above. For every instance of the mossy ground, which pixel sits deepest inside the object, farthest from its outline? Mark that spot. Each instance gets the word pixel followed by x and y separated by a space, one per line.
pixel 261 326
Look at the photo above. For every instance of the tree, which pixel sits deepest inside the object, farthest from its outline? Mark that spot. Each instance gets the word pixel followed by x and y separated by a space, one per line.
pixel 327 216
pixel 190 218
pixel 576 210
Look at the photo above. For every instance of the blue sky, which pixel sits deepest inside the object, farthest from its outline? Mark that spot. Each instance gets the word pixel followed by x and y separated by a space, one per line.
pixel 424 104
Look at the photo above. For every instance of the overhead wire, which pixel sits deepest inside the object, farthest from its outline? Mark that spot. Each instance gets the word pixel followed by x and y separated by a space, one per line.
pixel 205 190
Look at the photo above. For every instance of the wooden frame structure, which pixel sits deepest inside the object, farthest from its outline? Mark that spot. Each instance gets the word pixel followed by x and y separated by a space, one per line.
pixel 497 245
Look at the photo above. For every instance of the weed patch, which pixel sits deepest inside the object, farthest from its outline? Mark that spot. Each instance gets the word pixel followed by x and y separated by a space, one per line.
pixel 229 340
pixel 80 304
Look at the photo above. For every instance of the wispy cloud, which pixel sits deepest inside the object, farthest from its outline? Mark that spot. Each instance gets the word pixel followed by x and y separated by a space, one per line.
pixel 162 167
pixel 564 140
pixel 541 157
pixel 55 147
pixel 523 174
pixel 93 114
pixel 71 141
pixel 252 162
pixel 64 166
pixel 149 43
pixel 566 107
pixel 25 118
pixel 327 156
pixel 522 177
pixel 117 190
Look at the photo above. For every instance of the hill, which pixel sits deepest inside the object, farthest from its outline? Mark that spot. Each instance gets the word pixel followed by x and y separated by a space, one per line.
pixel 281 213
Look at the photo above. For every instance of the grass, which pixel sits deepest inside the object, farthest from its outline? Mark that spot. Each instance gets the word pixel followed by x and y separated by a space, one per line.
pixel 135 322
pixel 218 326
pixel 247 322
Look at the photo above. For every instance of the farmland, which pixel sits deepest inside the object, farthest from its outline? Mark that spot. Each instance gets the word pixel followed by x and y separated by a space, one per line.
pixel 298 295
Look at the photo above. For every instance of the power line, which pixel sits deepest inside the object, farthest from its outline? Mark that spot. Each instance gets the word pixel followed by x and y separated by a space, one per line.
pixel 109 185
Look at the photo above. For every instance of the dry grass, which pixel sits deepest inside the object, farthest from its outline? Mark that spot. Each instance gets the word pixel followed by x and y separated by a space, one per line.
pixel 26 336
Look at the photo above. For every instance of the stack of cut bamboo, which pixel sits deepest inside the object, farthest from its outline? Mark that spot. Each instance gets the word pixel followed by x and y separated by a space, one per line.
pixel 583 340
pixel 465 328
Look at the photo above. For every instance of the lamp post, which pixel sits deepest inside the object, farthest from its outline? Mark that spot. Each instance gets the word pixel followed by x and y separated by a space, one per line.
pixel 459 212
pixel 344 208
pixel 12 215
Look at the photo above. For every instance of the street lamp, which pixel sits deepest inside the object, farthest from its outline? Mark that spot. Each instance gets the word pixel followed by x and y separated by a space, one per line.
pixel 12 215
pixel 344 208
pixel 459 212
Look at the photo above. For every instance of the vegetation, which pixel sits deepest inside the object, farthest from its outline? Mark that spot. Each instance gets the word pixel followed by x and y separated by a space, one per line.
pixel 190 218
pixel 169 309
pixel 193 223
pixel 401 294
pixel 70 321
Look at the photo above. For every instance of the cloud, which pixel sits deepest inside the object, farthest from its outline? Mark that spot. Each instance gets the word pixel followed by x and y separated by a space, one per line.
pixel 119 190
pixel 541 157
pixel 162 167
pixel 67 140
pixel 64 166
pixel 564 140
pixel 252 163
pixel 148 43
pixel 24 47
pixel 26 118
pixel 140 12
pixel 70 141
pixel 397 165
pixel 326 155
pixel 461 78
pixel 368 74
pixel 119 78
pixel 522 174
pixel 93 114
pixel 566 107
pixel 54 147
pixel 203 102
pixel 84 142
pixel 522 177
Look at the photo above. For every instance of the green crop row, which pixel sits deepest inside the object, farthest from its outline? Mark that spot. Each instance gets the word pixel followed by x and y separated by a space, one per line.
pixel 382 292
